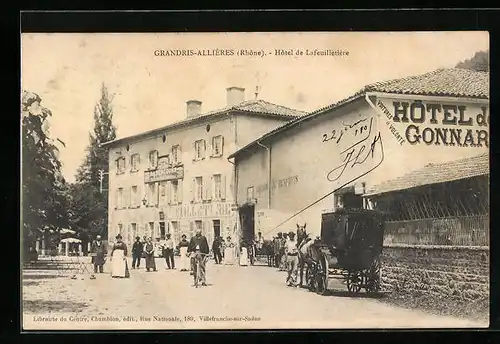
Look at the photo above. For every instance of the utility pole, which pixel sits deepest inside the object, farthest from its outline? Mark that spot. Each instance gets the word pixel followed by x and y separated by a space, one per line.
pixel 101 180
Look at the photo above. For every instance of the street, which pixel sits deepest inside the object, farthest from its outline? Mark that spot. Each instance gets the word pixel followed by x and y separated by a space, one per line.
pixel 166 300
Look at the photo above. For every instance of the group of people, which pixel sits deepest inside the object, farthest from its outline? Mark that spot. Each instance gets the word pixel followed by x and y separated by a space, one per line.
pixel 228 252
pixel 193 254
pixel 189 252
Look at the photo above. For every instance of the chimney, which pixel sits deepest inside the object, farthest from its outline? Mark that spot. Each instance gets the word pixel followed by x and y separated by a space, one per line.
pixel 235 95
pixel 193 108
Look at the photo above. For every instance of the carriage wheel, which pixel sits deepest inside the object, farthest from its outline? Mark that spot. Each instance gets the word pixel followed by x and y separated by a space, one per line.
pixel 321 280
pixel 354 281
pixel 374 276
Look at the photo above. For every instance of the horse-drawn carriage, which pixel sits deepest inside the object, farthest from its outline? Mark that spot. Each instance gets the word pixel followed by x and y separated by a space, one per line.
pixel 349 249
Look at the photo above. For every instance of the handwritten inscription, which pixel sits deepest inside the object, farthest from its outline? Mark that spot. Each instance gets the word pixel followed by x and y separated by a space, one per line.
pixel 359 155
pixel 355 129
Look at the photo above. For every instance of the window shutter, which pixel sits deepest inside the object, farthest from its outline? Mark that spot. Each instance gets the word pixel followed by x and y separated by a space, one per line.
pixel 157 194
pixel 221 146
pixel 192 189
pixel 169 192
pixel 223 186
pixel 212 188
pixel 204 148
pixel 191 228
pixel 194 150
pixel 180 191
pixel 211 147
pixel 205 189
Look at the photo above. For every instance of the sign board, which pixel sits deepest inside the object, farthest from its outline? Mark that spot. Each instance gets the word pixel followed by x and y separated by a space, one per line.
pixel 163 174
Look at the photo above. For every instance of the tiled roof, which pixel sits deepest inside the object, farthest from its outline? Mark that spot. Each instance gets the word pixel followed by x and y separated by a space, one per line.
pixel 261 106
pixel 256 106
pixel 436 173
pixel 452 82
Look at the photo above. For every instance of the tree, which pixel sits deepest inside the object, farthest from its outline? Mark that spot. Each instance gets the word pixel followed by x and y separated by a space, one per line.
pixel 44 190
pixel 89 206
pixel 479 62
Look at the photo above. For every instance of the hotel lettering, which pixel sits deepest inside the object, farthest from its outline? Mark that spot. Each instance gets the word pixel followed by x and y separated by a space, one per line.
pixel 443 124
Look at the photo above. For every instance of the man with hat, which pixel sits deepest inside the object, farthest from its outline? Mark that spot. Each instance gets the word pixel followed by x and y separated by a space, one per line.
pixel 137 249
pixel 199 249
pixel 169 251
pixel 292 254
pixel 98 252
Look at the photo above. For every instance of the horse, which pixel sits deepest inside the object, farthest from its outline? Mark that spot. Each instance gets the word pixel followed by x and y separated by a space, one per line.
pixel 306 252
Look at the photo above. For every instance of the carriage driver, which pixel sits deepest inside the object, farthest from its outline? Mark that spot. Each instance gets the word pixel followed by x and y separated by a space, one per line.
pixel 292 254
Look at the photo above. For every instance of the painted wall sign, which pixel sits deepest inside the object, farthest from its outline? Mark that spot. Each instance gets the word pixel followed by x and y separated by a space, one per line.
pixel 437 124
pixel 278 184
pixel 201 210
pixel 163 173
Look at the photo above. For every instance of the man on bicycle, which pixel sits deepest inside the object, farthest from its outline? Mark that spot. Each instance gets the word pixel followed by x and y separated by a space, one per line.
pixel 198 249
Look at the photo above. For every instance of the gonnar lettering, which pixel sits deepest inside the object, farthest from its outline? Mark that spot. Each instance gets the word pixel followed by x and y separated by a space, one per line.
pixel 357 156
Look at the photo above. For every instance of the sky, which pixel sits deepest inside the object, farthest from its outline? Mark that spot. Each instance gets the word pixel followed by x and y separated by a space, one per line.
pixel 149 91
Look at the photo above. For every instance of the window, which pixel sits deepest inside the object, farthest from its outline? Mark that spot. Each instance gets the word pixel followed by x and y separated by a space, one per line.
pixel 175 192
pixel 163 193
pixel 217 187
pixel 119 201
pixel 250 194
pixel 176 154
pixel 176 230
pixel 120 165
pixel 120 228
pixel 217 146
pixel 152 195
pixel 133 232
pixel 151 232
pixel 153 159
pixel 198 225
pixel 134 201
pixel 134 163
pixel 199 189
pixel 200 148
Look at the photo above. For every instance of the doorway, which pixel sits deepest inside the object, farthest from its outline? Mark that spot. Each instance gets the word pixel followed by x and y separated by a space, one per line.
pixel 247 221
pixel 216 224
pixel 162 229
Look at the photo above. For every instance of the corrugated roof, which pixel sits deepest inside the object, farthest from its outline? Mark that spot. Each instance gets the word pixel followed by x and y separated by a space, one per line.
pixel 435 174
pixel 451 82
pixel 251 107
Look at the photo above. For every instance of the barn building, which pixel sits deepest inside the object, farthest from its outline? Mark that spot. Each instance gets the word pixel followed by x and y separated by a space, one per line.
pixel 176 179
pixel 331 157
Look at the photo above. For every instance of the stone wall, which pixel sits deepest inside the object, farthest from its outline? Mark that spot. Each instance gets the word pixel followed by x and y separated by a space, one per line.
pixel 451 273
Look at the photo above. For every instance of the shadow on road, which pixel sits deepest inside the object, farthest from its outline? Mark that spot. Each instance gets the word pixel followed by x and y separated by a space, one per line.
pixel 346 293
pixel 39 277
pixel 43 306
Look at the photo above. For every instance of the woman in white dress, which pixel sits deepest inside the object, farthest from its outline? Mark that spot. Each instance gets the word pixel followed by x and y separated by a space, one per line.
pixel 184 259
pixel 229 252
pixel 243 255
pixel 119 266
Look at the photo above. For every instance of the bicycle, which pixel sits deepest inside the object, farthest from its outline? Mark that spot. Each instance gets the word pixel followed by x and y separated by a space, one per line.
pixel 198 256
